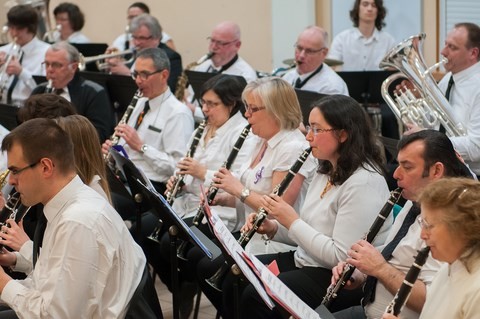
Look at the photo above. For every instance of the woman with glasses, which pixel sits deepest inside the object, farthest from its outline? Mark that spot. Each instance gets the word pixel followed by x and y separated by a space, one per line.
pixel 222 104
pixel 70 21
pixel 342 201
pixel 450 221
pixel 273 111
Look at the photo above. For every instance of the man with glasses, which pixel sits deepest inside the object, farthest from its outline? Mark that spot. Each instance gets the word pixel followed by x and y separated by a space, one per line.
pixel 311 73
pixel 157 133
pixel 424 157
pixel 27 54
pixel 147 33
pixel 89 98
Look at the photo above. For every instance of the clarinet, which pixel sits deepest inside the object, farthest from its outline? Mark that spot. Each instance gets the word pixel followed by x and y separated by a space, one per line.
pixel 278 190
pixel 49 86
pixel 400 299
pixel 126 116
pixel 216 279
pixel 333 290
pixel 178 182
pixel 212 191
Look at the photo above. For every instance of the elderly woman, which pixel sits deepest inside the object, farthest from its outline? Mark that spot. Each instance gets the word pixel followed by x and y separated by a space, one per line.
pixel 450 221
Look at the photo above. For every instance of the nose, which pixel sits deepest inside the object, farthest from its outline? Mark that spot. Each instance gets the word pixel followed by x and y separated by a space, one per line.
pixel 397 174
pixel 423 234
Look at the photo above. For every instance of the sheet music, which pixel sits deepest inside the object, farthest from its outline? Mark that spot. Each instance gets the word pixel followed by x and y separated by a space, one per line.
pixel 234 249
pixel 280 292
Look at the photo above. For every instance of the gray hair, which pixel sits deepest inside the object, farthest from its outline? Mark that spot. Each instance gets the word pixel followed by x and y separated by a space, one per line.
pixel 158 56
pixel 151 23
pixel 72 53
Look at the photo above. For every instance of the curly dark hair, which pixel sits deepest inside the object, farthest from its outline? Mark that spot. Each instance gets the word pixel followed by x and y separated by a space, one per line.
pixel 75 15
pixel 360 148
pixel 381 13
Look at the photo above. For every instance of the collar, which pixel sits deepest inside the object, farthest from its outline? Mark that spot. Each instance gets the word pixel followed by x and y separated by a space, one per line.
pixel 374 36
pixel 465 74
pixel 279 137
pixel 55 205
pixel 30 46
pixel 226 127
pixel 157 101
pixel 306 75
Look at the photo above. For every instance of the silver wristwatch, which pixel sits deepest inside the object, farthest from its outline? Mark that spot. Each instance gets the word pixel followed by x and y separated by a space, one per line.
pixel 245 193
pixel 144 148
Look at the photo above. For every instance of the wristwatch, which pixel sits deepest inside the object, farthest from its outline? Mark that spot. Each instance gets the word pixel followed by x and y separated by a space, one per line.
pixel 144 148
pixel 245 193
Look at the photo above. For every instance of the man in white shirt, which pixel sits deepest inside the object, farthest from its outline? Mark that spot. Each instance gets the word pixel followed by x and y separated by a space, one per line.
pixel 462 49
pixel 155 137
pixel 27 54
pixel 363 47
pixel 89 265
pixel 424 157
pixel 311 73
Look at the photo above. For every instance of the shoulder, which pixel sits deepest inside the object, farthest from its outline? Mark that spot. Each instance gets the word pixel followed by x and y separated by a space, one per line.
pixel 172 54
pixel 92 86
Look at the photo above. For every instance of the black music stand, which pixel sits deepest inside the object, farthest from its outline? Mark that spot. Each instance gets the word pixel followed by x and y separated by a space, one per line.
pixel 364 86
pixel 91 50
pixel 39 79
pixel 197 79
pixel 8 116
pixel 177 228
pixel 306 98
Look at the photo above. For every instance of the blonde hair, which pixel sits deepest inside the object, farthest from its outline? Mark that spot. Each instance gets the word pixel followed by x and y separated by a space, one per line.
pixel 279 98
pixel 86 146
pixel 459 200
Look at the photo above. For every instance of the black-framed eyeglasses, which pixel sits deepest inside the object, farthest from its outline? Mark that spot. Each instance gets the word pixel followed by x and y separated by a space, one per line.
pixel 209 104
pixel 144 75
pixel 15 172
pixel 252 109
pixel 306 50
pixel 316 130
pixel 220 43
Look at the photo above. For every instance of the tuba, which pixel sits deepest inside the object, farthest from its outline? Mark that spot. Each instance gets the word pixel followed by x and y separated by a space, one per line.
pixel 431 108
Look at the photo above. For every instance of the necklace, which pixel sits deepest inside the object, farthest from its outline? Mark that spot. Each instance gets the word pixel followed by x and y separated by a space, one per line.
pixel 327 187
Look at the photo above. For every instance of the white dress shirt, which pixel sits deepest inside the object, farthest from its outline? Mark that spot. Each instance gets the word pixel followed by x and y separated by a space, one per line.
pixel 326 81
pixel 465 105
pixel 213 155
pixel 89 265
pixel 359 53
pixel 328 226
pixel 75 37
pixel 282 151
pixel 402 259
pixel 33 56
pixel 165 129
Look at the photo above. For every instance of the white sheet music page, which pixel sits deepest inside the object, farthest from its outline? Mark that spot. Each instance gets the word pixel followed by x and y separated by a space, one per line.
pixel 281 293
pixel 235 250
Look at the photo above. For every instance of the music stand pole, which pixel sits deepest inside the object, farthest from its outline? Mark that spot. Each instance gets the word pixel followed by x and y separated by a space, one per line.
pixel 236 290
pixel 173 234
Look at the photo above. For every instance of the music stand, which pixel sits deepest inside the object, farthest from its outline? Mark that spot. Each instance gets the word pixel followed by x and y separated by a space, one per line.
pixel 8 116
pixel 306 98
pixel 91 50
pixel 177 228
pixel 197 79
pixel 390 145
pixel 39 79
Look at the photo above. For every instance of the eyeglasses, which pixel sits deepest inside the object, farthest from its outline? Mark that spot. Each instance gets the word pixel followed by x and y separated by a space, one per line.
pixel 299 49
pixel 53 65
pixel 209 104
pixel 15 172
pixel 141 38
pixel 144 75
pixel 316 130
pixel 252 109
pixel 220 43
pixel 423 223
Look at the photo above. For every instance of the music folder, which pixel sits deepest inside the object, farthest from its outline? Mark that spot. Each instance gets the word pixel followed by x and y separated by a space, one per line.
pixel 306 99
pixel 390 144
pixel 91 50
pixel 365 86
pixel 169 217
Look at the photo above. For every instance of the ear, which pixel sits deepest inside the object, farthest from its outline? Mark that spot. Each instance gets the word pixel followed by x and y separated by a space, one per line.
pixel 165 74
pixel 342 136
pixel 47 167
pixel 437 170
pixel 73 66
pixel 238 44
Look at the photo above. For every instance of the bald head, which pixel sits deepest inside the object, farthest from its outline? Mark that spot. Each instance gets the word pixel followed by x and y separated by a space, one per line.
pixel 311 49
pixel 224 42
